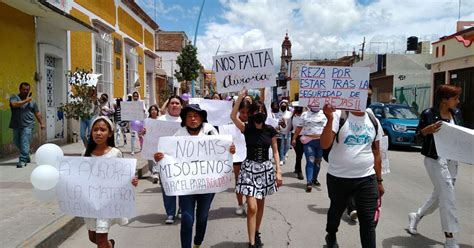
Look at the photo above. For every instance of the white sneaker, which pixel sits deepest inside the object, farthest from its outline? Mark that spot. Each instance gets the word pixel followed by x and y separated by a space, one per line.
pixel 169 220
pixel 353 215
pixel 239 210
pixel 451 243
pixel 281 163
pixel 413 220
pixel 179 213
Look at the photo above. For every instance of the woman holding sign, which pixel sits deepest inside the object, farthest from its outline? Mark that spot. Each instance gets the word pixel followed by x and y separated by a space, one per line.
pixel 172 109
pixel 194 123
pixel 257 177
pixel 102 144
pixel 152 115
pixel 442 172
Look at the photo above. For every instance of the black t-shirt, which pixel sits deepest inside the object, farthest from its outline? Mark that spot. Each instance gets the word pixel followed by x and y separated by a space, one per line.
pixel 258 142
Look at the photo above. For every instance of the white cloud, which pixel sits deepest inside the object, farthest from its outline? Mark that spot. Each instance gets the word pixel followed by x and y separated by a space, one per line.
pixel 157 7
pixel 327 28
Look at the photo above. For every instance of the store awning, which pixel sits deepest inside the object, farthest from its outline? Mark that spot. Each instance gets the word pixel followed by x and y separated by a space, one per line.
pixel 50 14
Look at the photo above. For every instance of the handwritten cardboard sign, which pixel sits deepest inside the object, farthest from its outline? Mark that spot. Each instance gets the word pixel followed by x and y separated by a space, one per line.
pixel 195 164
pixel 343 87
pixel 252 69
pixel 96 187
pixel 455 142
pixel 218 111
pixel 239 141
pixel 132 110
pixel 154 130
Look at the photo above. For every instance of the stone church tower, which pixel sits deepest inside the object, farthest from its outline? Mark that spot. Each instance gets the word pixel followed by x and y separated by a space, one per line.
pixel 285 55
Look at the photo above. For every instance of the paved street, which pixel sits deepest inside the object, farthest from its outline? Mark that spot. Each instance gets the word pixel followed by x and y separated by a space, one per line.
pixel 297 219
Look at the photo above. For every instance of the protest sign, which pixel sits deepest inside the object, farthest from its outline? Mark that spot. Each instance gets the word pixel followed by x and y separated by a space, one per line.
pixel 343 87
pixel 252 69
pixel 195 164
pixel 154 130
pixel 132 110
pixel 218 111
pixel 238 139
pixel 272 122
pixel 455 142
pixel 384 154
pixel 96 187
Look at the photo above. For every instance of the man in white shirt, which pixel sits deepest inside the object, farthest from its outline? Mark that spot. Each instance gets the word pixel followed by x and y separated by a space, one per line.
pixel 355 170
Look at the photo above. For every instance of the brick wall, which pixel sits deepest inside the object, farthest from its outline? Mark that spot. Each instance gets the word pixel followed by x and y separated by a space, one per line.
pixel 169 42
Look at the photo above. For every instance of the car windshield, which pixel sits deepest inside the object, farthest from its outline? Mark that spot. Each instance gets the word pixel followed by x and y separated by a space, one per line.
pixel 399 113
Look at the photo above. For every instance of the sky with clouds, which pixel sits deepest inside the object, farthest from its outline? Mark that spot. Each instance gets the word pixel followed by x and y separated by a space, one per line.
pixel 317 28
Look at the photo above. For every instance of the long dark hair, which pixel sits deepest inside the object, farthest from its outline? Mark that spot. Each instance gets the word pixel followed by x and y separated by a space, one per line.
pixel 91 145
pixel 244 104
pixel 153 106
pixel 254 107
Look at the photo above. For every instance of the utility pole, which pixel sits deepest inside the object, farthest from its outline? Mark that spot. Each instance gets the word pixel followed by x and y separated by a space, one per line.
pixel 459 10
pixel 363 47
pixel 193 91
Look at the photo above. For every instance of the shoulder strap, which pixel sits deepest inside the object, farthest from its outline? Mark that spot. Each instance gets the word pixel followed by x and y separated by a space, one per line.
pixel 374 122
pixel 342 121
pixel 376 125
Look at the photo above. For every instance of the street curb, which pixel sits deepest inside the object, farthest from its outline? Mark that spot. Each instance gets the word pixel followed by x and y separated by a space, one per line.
pixel 53 234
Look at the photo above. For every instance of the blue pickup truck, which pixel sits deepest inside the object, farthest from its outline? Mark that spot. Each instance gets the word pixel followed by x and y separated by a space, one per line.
pixel 398 121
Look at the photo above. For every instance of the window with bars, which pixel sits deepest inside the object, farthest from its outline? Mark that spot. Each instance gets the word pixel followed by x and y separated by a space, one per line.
pixel 131 67
pixel 103 62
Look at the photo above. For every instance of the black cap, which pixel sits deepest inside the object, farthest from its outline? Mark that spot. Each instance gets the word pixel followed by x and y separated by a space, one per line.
pixel 195 108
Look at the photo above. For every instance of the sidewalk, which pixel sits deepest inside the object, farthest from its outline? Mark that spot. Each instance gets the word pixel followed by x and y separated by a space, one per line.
pixel 27 222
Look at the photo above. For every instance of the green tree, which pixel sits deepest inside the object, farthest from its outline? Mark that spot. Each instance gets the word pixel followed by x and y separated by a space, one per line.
pixel 189 64
pixel 83 96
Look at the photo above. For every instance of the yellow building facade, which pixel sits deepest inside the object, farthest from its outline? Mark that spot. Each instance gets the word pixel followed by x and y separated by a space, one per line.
pixel 122 51
pixel 48 38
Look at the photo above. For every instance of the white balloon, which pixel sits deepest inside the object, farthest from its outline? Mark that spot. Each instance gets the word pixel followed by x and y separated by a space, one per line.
pixel 44 177
pixel 45 195
pixel 48 154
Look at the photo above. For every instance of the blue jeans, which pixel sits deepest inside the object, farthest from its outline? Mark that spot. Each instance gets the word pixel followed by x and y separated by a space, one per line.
pixel 85 130
pixel 188 207
pixel 22 140
pixel 313 154
pixel 169 202
pixel 285 142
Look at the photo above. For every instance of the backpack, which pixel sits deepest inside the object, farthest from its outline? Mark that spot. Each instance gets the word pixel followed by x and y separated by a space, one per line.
pixel 342 121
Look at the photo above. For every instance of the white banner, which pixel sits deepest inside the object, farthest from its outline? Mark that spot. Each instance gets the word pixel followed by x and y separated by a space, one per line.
pixel 132 110
pixel 154 130
pixel 239 141
pixel 195 164
pixel 343 87
pixel 455 142
pixel 96 187
pixel 218 111
pixel 252 69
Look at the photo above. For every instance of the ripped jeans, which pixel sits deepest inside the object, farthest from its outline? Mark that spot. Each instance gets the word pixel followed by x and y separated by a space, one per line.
pixel 313 154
